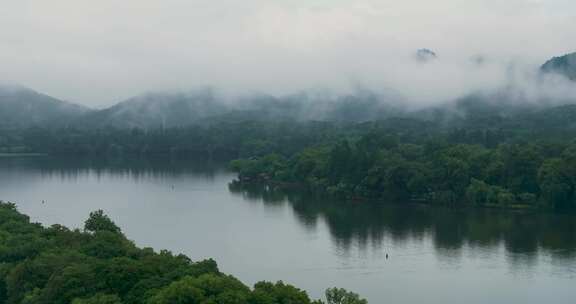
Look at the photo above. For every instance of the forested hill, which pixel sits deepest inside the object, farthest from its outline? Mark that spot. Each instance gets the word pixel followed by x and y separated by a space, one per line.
pixel 157 110
pixel 26 108
pixel 205 107
pixel 563 65
pixel 204 123
pixel 485 125
pixel 21 107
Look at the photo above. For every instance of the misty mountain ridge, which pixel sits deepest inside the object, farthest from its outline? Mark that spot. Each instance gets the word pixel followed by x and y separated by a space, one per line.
pixel 207 106
pixel 563 65
pixel 168 110
pixel 24 107
pixel 425 55
pixel 158 110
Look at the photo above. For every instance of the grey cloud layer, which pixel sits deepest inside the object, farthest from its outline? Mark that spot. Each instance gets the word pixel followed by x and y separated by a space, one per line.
pixel 97 52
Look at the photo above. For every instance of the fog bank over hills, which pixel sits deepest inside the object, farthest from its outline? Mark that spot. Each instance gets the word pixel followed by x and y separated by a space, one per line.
pixel 517 89
pixel 563 65
pixel 23 107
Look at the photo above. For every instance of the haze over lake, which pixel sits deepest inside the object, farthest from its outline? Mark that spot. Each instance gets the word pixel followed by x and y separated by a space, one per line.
pixel 436 255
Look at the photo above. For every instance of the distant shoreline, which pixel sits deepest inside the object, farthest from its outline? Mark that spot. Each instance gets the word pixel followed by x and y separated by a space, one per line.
pixel 415 202
pixel 23 154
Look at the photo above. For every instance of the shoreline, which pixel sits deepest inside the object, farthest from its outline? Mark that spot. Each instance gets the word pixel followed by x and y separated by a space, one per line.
pixel 23 154
pixel 413 202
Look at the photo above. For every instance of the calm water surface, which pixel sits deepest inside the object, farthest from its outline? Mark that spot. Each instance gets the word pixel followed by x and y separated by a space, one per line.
pixel 436 255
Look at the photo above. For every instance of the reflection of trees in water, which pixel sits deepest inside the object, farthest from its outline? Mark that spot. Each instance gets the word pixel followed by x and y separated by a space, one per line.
pixel 367 224
pixel 134 168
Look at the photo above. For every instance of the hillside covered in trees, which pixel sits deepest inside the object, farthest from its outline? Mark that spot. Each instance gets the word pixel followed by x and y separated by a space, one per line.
pixel 564 65
pixel 22 107
pixel 476 122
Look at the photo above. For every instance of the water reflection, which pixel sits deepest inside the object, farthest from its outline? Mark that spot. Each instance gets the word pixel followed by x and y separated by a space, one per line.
pixel 120 168
pixel 365 226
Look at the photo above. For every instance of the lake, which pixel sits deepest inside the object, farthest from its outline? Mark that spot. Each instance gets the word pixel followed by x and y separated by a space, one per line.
pixel 435 255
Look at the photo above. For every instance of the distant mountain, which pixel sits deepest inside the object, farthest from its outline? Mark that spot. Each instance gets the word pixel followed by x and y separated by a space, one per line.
pixel 362 105
pixel 23 107
pixel 563 65
pixel 202 107
pixel 156 110
pixel 425 55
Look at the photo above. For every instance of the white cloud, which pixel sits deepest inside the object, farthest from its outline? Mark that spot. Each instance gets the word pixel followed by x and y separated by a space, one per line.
pixel 98 52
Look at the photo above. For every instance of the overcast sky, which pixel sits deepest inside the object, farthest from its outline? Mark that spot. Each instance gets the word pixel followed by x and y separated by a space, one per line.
pixel 100 52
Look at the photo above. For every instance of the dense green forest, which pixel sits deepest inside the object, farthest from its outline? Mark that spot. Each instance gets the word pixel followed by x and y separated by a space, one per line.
pixel 100 265
pixel 525 160
pixel 222 141
pixel 378 166
pixel 479 123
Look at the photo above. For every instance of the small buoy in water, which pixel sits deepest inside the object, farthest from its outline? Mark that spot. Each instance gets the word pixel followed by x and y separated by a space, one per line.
pixel 43 202
pixel 386 256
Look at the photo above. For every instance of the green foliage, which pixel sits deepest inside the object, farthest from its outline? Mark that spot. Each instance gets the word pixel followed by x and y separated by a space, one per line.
pixel 341 296
pixel 374 166
pixel 206 289
pixel 278 293
pixel 98 222
pixel 557 183
pixel 99 298
pixel 480 193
